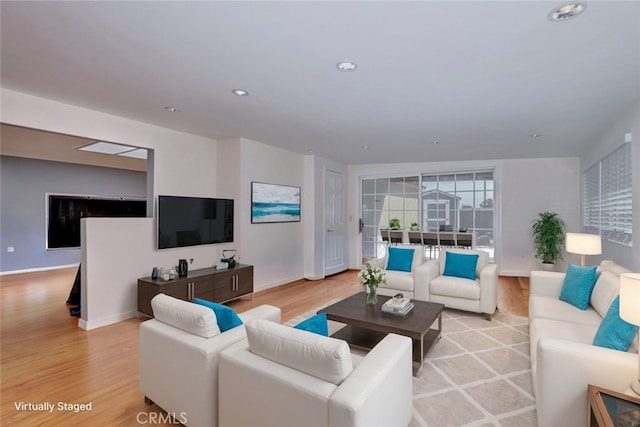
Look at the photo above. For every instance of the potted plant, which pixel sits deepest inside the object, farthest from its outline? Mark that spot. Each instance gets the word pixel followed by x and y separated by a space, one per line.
pixel 548 237
pixel 414 227
pixel 394 223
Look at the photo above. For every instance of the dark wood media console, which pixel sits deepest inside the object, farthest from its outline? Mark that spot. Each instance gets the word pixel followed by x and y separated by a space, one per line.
pixel 206 283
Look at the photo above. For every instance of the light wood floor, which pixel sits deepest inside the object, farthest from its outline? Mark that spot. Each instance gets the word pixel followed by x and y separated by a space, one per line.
pixel 45 357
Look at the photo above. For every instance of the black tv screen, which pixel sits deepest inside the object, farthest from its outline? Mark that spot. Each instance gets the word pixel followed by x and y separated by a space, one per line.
pixel 191 221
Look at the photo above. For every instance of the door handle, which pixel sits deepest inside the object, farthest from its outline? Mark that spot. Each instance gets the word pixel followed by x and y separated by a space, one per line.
pixel 329 230
pixel 360 225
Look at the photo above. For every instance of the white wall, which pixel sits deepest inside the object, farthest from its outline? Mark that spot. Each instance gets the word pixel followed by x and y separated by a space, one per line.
pixel 275 250
pixel 523 189
pixel 628 123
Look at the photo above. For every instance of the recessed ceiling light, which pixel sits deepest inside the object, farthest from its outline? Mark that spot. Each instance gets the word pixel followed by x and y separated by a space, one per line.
pixel 347 66
pixel 365 147
pixel 171 109
pixel 535 135
pixel 567 11
pixel 436 142
pixel 240 92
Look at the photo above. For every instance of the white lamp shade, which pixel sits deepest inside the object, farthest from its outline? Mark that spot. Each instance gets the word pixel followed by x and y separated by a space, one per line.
pixel 630 297
pixel 583 244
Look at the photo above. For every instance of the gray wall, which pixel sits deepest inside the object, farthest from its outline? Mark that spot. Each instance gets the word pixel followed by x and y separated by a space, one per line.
pixel 24 184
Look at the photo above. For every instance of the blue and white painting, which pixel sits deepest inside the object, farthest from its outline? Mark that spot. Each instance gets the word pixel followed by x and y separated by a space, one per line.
pixel 274 203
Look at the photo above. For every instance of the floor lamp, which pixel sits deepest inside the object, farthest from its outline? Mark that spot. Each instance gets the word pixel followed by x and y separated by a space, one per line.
pixel 583 244
pixel 630 310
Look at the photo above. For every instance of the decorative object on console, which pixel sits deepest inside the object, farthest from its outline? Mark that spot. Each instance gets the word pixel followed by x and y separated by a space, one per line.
pixel 548 237
pixel 583 244
pixel 630 310
pixel 371 278
pixel 182 268
pixel 274 203
pixel 228 256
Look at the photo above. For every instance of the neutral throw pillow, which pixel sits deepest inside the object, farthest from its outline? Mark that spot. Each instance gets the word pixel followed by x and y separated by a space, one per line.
pixel 400 259
pixel 227 318
pixel 460 265
pixel 577 286
pixel 316 324
pixel 614 332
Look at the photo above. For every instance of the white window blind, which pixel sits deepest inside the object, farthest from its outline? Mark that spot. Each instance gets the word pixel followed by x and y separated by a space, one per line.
pixel 607 208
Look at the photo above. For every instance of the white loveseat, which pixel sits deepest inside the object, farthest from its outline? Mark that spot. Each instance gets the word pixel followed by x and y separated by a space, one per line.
pixel 286 377
pixel 563 359
pixel 178 359
pixel 479 295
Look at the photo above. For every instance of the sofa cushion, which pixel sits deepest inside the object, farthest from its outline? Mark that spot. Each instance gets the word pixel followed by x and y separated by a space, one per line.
pixel 604 292
pixel 317 324
pixel 400 259
pixel 614 332
pixel 399 280
pixel 461 265
pixel 322 357
pixel 193 318
pixel 226 317
pixel 577 286
pixel 546 307
pixel 455 287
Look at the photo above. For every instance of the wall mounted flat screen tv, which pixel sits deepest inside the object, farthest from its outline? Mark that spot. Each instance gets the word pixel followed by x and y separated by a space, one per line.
pixel 191 221
pixel 65 211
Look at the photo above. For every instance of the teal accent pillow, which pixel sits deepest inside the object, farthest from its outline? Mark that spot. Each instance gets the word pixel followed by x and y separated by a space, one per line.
pixel 227 318
pixel 316 324
pixel 461 265
pixel 614 332
pixel 578 285
pixel 400 259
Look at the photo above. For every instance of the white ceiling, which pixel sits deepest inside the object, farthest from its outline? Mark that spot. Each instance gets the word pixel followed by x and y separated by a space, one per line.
pixel 477 76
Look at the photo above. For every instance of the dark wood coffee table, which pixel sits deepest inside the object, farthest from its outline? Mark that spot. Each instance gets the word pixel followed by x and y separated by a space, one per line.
pixel 367 325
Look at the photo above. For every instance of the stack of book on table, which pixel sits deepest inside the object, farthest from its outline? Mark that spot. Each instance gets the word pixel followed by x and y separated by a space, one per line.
pixel 397 306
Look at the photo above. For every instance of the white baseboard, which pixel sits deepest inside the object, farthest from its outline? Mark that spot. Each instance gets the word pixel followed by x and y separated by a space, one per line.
pixel 94 324
pixel 38 269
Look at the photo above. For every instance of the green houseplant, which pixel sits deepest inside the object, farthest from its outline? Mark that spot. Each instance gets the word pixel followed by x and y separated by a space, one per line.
pixel 414 227
pixel 394 223
pixel 548 237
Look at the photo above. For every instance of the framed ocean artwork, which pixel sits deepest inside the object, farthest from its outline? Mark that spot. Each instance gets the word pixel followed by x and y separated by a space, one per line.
pixel 274 203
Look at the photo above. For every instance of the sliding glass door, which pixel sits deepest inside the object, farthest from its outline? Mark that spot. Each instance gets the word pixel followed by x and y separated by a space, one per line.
pixel 432 202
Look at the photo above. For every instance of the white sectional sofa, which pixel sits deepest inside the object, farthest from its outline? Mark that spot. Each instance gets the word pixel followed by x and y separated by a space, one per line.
pixel 178 357
pixel 284 377
pixel 563 359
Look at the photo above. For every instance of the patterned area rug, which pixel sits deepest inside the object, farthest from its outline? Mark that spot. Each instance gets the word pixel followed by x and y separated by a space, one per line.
pixel 477 375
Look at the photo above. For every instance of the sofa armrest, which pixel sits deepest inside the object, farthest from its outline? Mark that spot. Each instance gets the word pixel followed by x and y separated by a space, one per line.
pixel 424 274
pixel 548 283
pixel 379 390
pixel 565 368
pixel 489 288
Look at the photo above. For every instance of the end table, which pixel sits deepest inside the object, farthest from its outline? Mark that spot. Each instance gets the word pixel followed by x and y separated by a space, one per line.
pixel 609 408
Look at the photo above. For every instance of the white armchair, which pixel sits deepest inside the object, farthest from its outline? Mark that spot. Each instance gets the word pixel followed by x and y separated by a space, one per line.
pixel 179 365
pixel 286 377
pixel 479 294
pixel 402 281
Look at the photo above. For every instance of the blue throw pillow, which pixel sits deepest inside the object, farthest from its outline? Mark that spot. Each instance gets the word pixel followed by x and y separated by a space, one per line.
pixel 461 265
pixel 614 332
pixel 316 324
pixel 227 318
pixel 400 259
pixel 578 285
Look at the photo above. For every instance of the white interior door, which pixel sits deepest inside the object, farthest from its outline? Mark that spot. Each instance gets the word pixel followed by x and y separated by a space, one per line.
pixel 335 259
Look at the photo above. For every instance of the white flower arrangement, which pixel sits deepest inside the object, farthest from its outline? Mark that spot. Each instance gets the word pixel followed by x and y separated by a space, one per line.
pixel 372 277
